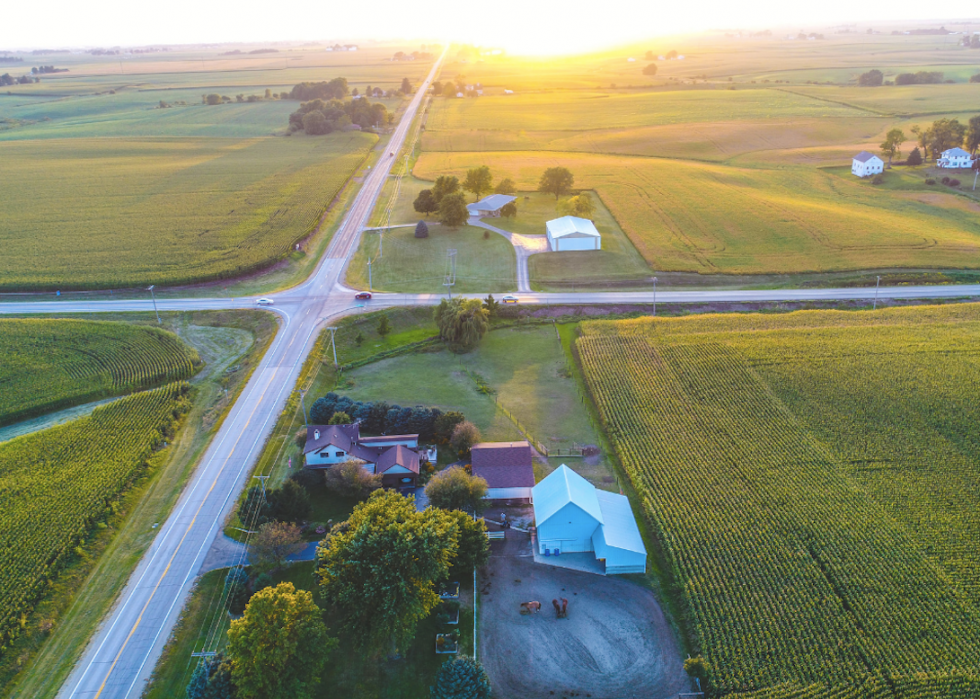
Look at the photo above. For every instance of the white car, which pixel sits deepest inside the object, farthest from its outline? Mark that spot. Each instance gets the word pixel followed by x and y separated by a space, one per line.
pixel 510 298
pixel 265 302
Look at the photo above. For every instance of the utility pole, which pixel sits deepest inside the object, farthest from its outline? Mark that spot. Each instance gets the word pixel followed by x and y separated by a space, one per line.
pixel 153 296
pixel 450 281
pixel 302 400
pixel 877 284
pixel 369 274
pixel 975 179
pixel 333 342
pixel 262 480
pixel 654 296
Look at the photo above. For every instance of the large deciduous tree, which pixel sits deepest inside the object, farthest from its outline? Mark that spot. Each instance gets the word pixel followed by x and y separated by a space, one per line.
pixel 379 568
pixel 972 140
pixel 873 78
pixel 505 186
pixel 557 181
pixel 455 489
pixel 892 144
pixel 278 648
pixel 478 180
pixel 461 678
pixel 464 436
pixel 452 210
pixel 425 203
pixel 462 323
pixel 445 185
pixel 349 479
pixel 273 544
pixel 650 69
pixel 581 206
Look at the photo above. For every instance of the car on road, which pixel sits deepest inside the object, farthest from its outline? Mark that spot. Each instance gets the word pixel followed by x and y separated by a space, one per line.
pixel 510 298
pixel 264 301
pixel 363 296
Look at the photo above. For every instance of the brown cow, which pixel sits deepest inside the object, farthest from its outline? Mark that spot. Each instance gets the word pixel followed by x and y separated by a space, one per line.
pixel 564 607
pixel 530 607
pixel 557 607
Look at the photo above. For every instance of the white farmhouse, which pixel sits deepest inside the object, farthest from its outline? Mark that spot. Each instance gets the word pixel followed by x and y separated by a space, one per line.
pixel 490 206
pixel 866 164
pixel 395 457
pixel 955 159
pixel 572 516
pixel 573 233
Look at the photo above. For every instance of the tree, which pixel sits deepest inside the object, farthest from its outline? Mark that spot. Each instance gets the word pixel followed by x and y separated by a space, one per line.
pixel 473 546
pixel 379 568
pixel 315 124
pixel 651 69
pixel 445 185
pixel 384 325
pixel 421 230
pixel 339 418
pixel 581 206
pixel 453 211
pixel 213 99
pixel 406 87
pixel 975 42
pixel 462 323
pixel 279 647
pixel 671 55
pixel 465 435
pixel 696 667
pixel 461 678
pixel 425 203
pixel 445 424
pixel 944 134
pixel 273 544
pixel 491 305
pixel 508 210
pixel 873 78
pixel 975 78
pixel 505 186
pixel 478 180
pixel 236 589
pixel 455 489
pixel 557 181
pixel 290 502
pixel 892 144
pixel 349 479
pixel 211 679
pixel 972 140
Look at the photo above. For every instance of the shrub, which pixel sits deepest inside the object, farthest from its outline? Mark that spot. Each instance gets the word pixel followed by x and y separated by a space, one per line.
pixel 509 210
pixel 915 157
pixel 461 678
pixel 696 667
pixel 878 179
pixel 289 503
pixel 465 435
pixel 945 180
pixel 954 182
pixel 929 180
pixel 455 489
pixel 486 235
pixel 273 544
pixel 421 230
pixel 350 480
pixel 339 418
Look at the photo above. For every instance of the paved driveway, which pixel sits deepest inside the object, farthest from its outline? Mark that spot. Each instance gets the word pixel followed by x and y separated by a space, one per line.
pixel 524 247
pixel 615 643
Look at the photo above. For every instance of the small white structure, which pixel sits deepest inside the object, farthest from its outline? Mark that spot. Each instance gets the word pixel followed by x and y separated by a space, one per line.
pixel 572 516
pixel 573 233
pixel 955 159
pixel 631 60
pixel 866 164
pixel 508 92
pixel 490 206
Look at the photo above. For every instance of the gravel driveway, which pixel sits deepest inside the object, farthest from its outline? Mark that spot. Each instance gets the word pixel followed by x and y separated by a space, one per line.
pixel 615 643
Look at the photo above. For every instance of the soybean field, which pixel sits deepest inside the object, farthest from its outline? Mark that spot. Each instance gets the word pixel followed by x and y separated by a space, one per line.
pixel 58 484
pixel 813 480
pixel 53 364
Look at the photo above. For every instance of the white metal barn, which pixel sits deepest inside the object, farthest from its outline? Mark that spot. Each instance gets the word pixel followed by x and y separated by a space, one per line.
pixel 573 233
pixel 572 516
pixel 955 159
pixel 490 206
pixel 866 164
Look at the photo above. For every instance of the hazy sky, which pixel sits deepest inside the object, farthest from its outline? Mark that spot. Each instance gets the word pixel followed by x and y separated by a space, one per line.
pixel 568 26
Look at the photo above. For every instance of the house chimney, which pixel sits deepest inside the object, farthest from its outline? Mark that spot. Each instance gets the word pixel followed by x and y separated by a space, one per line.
pixel 316 434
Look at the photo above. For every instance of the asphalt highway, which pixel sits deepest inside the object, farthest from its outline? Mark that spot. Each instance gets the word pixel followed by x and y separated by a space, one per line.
pixel 121 655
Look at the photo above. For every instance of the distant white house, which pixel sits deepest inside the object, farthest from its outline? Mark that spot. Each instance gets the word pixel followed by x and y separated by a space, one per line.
pixel 508 92
pixel 489 206
pixel 866 164
pixel 573 233
pixel 572 516
pixel 955 159
pixel 631 60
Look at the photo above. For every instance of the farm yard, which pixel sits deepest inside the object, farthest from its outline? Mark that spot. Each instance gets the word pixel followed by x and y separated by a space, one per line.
pixel 818 484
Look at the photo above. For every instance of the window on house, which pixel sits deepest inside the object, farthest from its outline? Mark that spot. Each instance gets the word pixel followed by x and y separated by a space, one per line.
pixel 338 453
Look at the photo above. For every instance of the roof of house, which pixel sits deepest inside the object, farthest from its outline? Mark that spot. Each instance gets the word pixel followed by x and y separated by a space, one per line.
pixel 619 527
pixel 503 464
pixel 572 226
pixel 956 153
pixel 561 487
pixel 397 456
pixel 864 156
pixel 319 436
pixel 492 202
pixel 389 439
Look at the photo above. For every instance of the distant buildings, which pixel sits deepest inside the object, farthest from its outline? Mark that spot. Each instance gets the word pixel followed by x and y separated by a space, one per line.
pixel 955 159
pixel 490 206
pixel 866 164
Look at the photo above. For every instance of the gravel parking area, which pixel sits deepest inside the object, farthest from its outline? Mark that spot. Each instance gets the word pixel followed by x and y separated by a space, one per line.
pixel 614 644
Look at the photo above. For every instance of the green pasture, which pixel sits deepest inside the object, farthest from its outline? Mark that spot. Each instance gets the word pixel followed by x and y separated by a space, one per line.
pixel 932 100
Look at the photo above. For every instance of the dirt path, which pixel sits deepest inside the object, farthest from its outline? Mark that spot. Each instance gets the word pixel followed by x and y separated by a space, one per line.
pixel 615 643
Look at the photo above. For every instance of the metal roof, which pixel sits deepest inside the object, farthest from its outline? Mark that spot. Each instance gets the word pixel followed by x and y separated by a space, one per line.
pixel 503 464
pixel 572 226
pixel 561 487
pixel 619 525
pixel 492 202
pixel 864 156
pixel 956 153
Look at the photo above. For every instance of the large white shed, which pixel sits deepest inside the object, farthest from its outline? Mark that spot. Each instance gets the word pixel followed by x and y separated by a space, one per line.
pixel 573 233
pixel 572 516
pixel 865 164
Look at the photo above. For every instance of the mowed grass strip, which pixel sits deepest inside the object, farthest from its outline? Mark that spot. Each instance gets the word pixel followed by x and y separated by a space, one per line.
pixel 708 218
pixel 100 213
pixel 813 480
pixel 53 364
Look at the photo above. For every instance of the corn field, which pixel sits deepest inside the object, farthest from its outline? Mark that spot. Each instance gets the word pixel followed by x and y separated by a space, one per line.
pixel 813 480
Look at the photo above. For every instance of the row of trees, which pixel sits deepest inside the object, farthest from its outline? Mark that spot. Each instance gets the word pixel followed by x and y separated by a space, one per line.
pixel 318 117
pixel 378 417
pixel 942 135
pixel 8 79
pixel 875 78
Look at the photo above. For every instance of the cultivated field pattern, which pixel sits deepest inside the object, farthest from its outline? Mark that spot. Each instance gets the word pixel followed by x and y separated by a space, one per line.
pixel 814 482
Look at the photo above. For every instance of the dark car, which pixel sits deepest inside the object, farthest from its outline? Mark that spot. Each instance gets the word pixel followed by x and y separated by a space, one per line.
pixel 363 296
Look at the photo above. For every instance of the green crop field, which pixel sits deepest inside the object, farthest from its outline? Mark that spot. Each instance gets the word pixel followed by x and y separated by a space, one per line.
pixel 813 480
pixel 54 364
pixel 57 484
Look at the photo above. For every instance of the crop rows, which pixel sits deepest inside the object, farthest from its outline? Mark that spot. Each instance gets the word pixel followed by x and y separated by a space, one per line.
pixel 799 569
pixel 56 484
pixel 51 364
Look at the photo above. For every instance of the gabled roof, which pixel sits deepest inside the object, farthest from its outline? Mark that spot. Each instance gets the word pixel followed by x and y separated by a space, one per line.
pixel 492 202
pixel 619 525
pixel 864 156
pixel 397 456
pixel 561 487
pixel 319 436
pixel 503 464
pixel 572 226
pixel 388 439
pixel 956 153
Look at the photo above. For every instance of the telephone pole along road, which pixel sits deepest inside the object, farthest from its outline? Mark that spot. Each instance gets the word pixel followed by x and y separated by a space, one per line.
pixel 123 652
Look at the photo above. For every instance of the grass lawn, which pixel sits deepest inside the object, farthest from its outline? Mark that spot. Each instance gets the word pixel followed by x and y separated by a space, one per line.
pixel 348 672
pixel 414 265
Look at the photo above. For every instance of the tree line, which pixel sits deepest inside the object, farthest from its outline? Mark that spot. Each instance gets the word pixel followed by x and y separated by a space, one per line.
pixel 875 78
pixel 942 135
